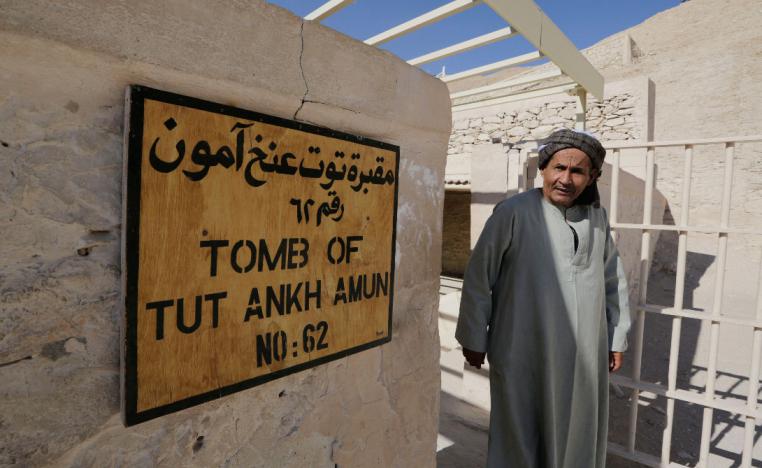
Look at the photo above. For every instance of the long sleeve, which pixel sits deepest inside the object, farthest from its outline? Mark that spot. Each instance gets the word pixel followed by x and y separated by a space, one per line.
pixel 480 277
pixel 617 300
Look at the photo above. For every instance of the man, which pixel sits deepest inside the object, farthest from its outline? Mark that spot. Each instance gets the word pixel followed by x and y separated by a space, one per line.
pixel 545 297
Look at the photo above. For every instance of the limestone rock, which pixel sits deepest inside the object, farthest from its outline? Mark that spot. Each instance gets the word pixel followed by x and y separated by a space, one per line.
pixel 530 124
pixel 460 124
pixel 613 122
pixel 567 113
pixel 545 113
pixel 542 132
pixel 524 115
pixel 554 120
pixel 555 105
pixel 517 132
pixel 614 136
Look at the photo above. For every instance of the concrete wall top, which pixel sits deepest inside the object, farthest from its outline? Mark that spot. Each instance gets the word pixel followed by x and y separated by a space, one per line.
pixel 253 44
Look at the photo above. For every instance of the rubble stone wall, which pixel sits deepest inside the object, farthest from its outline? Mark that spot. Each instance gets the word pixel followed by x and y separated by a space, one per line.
pixel 610 119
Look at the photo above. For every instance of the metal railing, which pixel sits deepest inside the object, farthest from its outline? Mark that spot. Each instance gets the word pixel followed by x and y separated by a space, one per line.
pixel 750 411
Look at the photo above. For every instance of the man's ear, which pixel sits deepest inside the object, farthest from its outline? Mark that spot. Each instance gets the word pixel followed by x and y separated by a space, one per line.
pixel 594 175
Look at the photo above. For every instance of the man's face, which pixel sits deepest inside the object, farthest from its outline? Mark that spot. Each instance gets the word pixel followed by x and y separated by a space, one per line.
pixel 566 176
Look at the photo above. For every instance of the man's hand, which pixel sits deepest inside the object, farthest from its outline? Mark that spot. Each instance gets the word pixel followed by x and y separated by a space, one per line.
pixel 615 360
pixel 474 358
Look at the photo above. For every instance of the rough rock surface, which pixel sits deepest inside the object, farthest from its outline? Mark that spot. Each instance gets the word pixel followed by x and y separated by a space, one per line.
pixel 65 69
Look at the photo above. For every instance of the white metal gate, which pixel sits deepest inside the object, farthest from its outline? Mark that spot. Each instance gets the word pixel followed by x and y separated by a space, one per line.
pixel 750 411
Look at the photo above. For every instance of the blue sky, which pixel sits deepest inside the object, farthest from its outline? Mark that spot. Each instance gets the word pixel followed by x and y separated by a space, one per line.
pixel 585 22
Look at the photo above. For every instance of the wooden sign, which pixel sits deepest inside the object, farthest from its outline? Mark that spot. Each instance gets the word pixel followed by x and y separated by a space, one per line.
pixel 255 247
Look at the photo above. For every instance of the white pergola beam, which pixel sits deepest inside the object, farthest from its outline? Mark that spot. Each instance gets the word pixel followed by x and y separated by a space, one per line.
pixel 482 40
pixel 534 78
pixel 520 96
pixel 432 16
pixel 518 60
pixel 527 18
pixel 327 9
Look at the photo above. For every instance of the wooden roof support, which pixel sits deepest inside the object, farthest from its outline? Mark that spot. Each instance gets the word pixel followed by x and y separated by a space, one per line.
pixel 430 17
pixel 524 18
pixel 522 80
pixel 519 96
pixel 479 41
pixel 513 61
pixel 327 9
pixel 529 20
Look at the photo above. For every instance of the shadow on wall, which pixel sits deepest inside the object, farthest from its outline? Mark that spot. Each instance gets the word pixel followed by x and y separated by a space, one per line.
pixel 655 358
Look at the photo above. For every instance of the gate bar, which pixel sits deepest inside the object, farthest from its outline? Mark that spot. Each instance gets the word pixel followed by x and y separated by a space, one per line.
pixel 645 254
pixel 660 309
pixel 749 409
pixel 751 398
pixel 722 252
pixel 698 141
pixel 699 229
pixel 688 396
pixel 677 321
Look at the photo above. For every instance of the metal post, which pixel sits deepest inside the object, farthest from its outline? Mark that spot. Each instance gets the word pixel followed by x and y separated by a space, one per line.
pixel 714 339
pixel 674 349
pixel 751 398
pixel 645 255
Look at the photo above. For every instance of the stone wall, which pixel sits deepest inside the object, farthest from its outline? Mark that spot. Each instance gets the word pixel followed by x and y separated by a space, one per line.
pixel 610 119
pixel 64 73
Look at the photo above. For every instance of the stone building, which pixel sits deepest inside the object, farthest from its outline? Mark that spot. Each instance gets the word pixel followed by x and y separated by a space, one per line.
pixel 667 80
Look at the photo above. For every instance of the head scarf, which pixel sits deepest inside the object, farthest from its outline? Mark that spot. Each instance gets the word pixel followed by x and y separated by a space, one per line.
pixel 565 138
